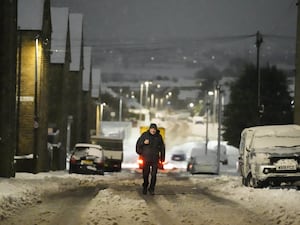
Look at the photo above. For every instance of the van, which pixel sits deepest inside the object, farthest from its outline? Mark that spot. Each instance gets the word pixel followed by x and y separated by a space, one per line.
pixel 270 155
pixel 203 160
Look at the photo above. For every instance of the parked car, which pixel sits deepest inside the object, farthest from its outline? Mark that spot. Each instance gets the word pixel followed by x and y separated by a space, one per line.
pixel 87 159
pixel 203 160
pixel 270 155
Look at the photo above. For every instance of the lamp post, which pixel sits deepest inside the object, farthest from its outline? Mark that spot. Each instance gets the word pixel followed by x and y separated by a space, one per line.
pixel 209 93
pixel 206 130
pixel 219 125
pixel 36 118
pixel 147 83
pixel 120 105
pixel 69 129
pixel 152 100
pixel 259 40
pixel 141 100
pixel 99 117
pixel 101 111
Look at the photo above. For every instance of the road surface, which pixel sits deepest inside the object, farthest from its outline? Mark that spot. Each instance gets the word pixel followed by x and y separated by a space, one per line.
pixel 119 201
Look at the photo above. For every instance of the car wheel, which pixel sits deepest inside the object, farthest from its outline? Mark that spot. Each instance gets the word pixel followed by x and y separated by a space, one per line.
pixel 276 183
pixel 188 167
pixel 71 169
pixel 252 182
pixel 244 181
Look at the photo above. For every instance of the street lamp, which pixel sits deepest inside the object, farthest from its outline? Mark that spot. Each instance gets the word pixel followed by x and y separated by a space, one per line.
pixel 36 118
pixel 99 116
pixel 152 101
pixel 207 104
pixel 147 83
pixel 101 111
pixel 219 124
pixel 69 126
pixel 206 130
pixel 120 105
pixel 259 40
pixel 141 100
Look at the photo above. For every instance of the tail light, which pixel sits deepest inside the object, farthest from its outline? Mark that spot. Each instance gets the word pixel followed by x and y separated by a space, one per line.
pixel 162 162
pixel 140 161
pixel 73 159
pixel 99 161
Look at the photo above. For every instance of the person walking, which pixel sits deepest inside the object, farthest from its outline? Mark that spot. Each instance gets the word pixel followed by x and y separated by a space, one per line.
pixel 151 147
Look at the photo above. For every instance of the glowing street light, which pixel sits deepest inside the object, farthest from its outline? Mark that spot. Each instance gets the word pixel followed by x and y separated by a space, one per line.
pixel 147 83
pixel 99 117
pixel 36 118
pixel 141 99
pixel 120 105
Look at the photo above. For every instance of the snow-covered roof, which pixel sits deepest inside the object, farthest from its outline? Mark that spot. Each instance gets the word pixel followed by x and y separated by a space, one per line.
pixel 96 80
pixel 30 14
pixel 87 53
pixel 275 130
pixel 75 20
pixel 273 135
pixel 59 17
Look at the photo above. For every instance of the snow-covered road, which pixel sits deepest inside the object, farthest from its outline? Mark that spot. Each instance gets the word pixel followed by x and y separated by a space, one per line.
pixel 56 198
pixel 116 199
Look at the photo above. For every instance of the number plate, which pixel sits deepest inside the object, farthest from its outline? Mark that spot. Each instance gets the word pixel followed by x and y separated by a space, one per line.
pixel 286 167
pixel 86 162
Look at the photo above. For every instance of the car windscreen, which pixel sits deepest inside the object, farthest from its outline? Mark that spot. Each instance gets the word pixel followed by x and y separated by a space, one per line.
pixel 273 141
pixel 88 151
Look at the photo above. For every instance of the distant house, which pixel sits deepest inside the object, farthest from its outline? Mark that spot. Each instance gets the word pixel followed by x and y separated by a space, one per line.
pixel 73 95
pixel 59 68
pixel 34 30
pixel 69 81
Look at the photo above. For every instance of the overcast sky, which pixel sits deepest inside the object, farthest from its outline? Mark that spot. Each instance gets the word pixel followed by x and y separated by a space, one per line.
pixel 212 24
pixel 152 19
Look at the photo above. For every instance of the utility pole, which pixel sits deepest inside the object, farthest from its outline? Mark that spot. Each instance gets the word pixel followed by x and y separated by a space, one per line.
pixel 219 92
pixel 120 105
pixel 207 104
pixel 297 78
pixel 259 40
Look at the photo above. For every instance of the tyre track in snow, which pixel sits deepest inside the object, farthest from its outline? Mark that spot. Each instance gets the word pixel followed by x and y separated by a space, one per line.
pixel 185 203
pixel 55 209
pixel 161 216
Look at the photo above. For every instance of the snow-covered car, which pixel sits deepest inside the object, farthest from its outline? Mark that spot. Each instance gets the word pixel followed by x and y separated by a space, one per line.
pixel 87 159
pixel 270 155
pixel 203 160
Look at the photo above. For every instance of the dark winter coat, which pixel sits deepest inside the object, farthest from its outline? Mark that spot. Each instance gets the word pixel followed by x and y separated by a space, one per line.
pixel 153 151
